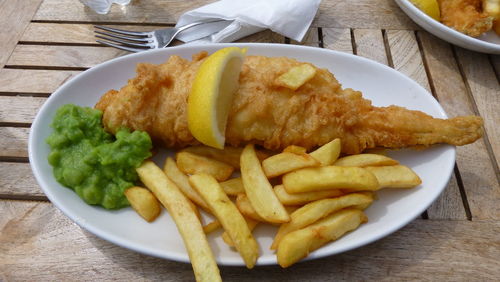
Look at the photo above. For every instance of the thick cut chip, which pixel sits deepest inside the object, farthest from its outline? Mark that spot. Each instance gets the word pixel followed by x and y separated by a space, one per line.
pixel 317 210
pixel 228 215
pixel 228 155
pixel 194 164
pixel 303 198
pixel 397 176
pixel 295 149
pixel 181 180
pixel 285 162
pixel 259 190
pixel 328 153
pixel 233 186
pixel 296 76
pixel 201 256
pixel 251 225
pixel 330 177
pixel 212 226
pixel 363 160
pixel 298 244
pixel 143 202
pixel 245 207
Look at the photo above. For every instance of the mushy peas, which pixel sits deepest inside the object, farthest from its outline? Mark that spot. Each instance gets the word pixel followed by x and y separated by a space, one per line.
pixel 87 159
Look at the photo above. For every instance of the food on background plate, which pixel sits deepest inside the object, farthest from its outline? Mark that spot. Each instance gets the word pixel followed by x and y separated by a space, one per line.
pixel 275 117
pixel 471 17
pixel 194 164
pixel 90 161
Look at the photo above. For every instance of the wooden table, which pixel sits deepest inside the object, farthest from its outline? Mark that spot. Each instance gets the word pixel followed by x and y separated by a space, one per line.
pixel 44 43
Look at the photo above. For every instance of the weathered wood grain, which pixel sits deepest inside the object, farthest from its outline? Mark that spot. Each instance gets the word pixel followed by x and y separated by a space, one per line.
pixel 14 142
pixel 406 56
pixel 476 169
pixel 339 14
pixel 38 243
pixel 14 17
pixel 19 109
pixel 33 81
pixel 62 56
pixel 485 89
pixel 370 44
pixel 66 33
pixel 338 39
pixel 17 181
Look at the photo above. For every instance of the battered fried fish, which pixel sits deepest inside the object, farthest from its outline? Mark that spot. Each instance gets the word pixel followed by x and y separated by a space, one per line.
pixel 273 116
pixel 466 16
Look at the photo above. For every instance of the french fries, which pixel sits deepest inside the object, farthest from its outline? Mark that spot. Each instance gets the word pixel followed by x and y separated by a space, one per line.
pixel 296 76
pixel 397 176
pixel 330 177
pixel 314 211
pixel 233 186
pixel 299 243
pixel 259 190
pixel 364 160
pixel 303 198
pixel 190 163
pixel 143 202
pixel 228 215
pixel 181 180
pixel 285 162
pixel 318 199
pixel 328 153
pixel 201 256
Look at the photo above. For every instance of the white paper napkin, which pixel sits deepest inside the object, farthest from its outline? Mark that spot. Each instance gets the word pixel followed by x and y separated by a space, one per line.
pixel 290 18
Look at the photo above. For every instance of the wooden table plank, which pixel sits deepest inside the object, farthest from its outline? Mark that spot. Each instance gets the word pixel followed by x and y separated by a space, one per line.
pixel 19 109
pixel 70 33
pixel 310 39
pixel 380 14
pixel 33 81
pixel 14 142
pixel 14 17
pixel 370 44
pixel 477 173
pixel 338 39
pixel 59 250
pixel 485 89
pixel 17 181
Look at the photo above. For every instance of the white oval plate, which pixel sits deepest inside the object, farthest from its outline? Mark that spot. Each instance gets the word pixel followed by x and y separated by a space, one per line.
pixel 383 85
pixel 489 42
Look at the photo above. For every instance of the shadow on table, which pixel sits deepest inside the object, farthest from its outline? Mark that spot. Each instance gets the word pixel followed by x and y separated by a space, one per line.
pixel 402 254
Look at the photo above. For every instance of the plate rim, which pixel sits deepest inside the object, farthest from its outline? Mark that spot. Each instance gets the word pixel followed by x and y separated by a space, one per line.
pixel 110 237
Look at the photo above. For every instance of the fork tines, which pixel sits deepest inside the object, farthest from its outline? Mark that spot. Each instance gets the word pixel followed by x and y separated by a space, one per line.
pixel 132 41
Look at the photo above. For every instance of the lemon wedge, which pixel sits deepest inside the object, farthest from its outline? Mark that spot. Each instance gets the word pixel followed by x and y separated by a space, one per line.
pixel 211 95
pixel 430 7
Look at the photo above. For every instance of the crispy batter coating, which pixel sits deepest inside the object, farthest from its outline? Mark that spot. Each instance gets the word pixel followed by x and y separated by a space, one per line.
pixel 273 116
pixel 465 16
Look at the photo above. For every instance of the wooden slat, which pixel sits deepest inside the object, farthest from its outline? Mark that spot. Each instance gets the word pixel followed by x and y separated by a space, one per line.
pixel 370 44
pixel 476 169
pixel 265 36
pixel 17 180
pixel 495 59
pixel 14 17
pixel 33 81
pixel 19 109
pixel 14 142
pixel 59 250
pixel 62 56
pixel 338 39
pixel 339 14
pixel 406 56
pixel 485 90
pixel 71 33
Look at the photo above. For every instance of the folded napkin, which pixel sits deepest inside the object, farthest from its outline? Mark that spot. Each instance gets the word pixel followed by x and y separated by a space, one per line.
pixel 290 18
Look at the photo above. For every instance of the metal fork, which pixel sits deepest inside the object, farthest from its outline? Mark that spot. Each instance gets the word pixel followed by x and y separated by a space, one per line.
pixel 129 40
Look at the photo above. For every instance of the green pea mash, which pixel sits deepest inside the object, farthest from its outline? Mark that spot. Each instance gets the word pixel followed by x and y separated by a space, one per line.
pixel 87 159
